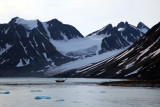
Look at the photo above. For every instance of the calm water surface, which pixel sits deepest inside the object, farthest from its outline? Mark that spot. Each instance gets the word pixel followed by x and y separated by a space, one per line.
pixel 74 92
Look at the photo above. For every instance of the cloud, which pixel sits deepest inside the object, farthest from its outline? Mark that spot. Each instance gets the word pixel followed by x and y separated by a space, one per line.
pixel 86 15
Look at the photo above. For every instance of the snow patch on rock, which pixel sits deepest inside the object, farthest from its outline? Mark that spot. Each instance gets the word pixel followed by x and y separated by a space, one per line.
pixel 118 72
pixel 129 65
pixel 144 30
pixel 64 36
pixel 20 64
pixel 156 52
pixel 121 29
pixel 45 25
pixel 134 72
pixel 2 50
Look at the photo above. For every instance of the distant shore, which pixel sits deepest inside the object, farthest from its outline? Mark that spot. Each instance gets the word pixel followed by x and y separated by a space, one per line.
pixel 133 83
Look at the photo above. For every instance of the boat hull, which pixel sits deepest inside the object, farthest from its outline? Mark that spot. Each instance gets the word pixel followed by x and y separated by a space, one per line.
pixel 59 80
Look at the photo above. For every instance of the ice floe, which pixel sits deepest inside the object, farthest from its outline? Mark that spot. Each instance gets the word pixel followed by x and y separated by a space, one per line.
pixel 36 90
pixel 42 97
pixel 6 92
pixel 102 91
pixel 59 100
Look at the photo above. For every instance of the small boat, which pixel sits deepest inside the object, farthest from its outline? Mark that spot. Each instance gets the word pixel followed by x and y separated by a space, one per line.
pixel 60 80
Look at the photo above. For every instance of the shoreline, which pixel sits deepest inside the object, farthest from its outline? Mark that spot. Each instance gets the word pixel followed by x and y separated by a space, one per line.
pixel 133 83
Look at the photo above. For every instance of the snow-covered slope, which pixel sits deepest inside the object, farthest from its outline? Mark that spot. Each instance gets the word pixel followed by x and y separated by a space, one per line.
pixel 79 47
pixel 77 64
pixel 141 60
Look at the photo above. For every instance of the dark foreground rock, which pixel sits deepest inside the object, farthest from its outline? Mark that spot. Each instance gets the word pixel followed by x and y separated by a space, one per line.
pixel 132 83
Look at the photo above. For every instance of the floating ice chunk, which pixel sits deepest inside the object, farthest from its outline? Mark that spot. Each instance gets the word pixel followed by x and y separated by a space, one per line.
pixel 59 100
pixel 36 90
pixel 6 92
pixel 42 97
pixel 102 91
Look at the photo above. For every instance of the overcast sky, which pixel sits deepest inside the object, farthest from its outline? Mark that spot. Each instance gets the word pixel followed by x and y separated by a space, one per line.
pixel 86 15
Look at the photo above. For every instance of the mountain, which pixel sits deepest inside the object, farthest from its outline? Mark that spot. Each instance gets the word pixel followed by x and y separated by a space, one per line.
pixel 30 47
pixel 120 36
pixel 140 61
pixel 107 39
pixel 99 45
pixel 26 45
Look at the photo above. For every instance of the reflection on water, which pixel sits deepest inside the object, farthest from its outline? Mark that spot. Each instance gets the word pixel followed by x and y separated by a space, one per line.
pixel 74 93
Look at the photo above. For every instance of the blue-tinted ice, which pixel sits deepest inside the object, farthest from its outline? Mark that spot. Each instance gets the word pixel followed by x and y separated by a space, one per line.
pixel 6 92
pixel 59 100
pixel 42 97
pixel 36 90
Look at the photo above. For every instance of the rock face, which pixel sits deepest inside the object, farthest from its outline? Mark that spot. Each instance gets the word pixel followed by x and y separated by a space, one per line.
pixel 123 35
pixel 60 31
pixel 25 45
pixel 140 61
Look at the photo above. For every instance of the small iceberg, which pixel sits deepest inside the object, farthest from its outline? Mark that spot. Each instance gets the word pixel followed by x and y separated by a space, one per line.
pixel 42 97
pixel 36 90
pixel 102 91
pixel 59 100
pixel 6 92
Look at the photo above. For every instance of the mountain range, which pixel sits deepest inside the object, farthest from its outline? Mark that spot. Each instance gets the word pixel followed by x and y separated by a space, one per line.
pixel 29 47
pixel 139 61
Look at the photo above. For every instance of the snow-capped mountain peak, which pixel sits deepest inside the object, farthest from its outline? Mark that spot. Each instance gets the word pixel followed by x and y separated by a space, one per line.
pixel 27 24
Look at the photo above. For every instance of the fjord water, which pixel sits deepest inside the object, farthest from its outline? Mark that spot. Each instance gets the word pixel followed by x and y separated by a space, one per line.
pixel 75 92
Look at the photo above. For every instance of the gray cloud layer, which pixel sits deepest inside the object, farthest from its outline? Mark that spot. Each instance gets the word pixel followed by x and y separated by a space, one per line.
pixel 86 15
